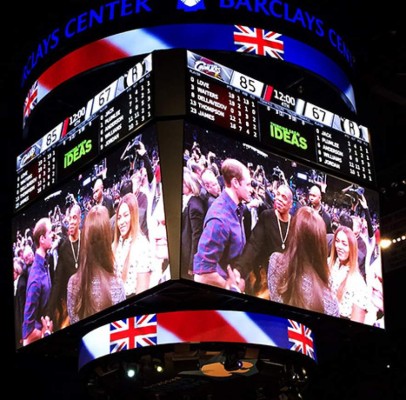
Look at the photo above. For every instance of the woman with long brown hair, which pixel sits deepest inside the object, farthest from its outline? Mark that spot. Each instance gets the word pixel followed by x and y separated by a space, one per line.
pixel 131 248
pixel 94 286
pixel 300 276
pixel 347 281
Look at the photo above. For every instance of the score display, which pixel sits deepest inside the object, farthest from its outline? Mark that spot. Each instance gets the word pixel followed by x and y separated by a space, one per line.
pixel 216 95
pixel 315 142
pixel 114 113
pixel 233 101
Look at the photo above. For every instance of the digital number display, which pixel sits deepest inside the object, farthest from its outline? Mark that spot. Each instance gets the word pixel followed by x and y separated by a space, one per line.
pixel 311 141
pixel 228 99
pixel 111 115
pixel 38 176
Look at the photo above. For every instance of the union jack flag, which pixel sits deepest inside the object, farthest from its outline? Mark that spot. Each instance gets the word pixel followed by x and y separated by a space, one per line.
pixel 301 336
pixel 31 100
pixel 258 41
pixel 133 332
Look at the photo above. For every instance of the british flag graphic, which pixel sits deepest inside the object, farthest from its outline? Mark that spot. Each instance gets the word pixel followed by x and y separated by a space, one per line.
pixel 258 41
pixel 301 337
pixel 133 332
pixel 31 100
pixel 197 326
pixel 206 36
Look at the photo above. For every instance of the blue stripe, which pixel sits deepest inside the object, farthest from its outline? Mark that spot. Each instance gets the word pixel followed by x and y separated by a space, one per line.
pixel 220 37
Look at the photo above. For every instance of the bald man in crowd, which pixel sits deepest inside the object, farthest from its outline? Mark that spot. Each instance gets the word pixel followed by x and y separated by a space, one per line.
pixel 101 198
pixel 316 203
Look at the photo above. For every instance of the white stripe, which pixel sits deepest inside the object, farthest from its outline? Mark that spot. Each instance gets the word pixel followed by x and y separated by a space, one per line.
pixel 97 341
pixel 138 41
pixel 247 328
pixel 165 336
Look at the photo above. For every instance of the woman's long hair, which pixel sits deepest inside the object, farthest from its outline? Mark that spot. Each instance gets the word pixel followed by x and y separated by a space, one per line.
pixel 96 260
pixel 131 200
pixel 352 261
pixel 306 253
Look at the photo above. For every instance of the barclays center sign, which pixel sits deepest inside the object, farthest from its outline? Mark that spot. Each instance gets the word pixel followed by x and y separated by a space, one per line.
pixel 136 11
pixel 134 27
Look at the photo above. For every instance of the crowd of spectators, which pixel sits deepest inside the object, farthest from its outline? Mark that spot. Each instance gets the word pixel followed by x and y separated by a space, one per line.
pixel 279 188
pixel 90 246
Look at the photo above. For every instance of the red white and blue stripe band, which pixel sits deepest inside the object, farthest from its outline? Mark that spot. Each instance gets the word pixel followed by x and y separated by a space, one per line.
pixel 238 38
pixel 196 326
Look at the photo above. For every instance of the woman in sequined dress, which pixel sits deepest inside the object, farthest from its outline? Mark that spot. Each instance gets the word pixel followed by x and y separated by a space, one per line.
pixel 95 286
pixel 300 276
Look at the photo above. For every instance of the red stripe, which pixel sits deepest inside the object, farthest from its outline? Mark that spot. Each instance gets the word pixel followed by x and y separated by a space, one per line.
pixel 268 93
pixel 83 59
pixel 199 326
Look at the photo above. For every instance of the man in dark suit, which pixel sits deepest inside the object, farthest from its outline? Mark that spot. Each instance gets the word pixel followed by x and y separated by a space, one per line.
pixel 66 266
pixel 193 213
pixel 102 198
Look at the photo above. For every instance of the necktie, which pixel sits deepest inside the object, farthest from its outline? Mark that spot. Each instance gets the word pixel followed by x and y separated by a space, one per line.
pixel 240 211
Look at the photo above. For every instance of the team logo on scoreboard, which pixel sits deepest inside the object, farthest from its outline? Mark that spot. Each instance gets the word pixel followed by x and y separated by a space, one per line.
pixel 191 5
pixel 208 67
pixel 28 156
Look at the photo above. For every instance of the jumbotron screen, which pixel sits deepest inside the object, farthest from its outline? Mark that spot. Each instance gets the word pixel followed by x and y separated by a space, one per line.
pixel 300 226
pixel 89 228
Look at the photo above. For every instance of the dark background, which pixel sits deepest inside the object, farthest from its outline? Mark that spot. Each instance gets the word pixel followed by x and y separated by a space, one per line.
pixel 376 35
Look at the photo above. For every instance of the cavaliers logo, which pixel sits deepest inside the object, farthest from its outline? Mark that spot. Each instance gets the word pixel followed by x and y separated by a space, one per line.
pixel 208 67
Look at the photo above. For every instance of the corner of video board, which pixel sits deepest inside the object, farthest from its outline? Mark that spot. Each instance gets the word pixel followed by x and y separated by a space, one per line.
pixel 108 151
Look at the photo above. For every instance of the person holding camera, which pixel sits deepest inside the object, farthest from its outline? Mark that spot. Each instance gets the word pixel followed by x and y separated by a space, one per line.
pixel 359 214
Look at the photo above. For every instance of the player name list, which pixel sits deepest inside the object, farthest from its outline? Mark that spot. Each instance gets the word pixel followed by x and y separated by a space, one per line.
pixel 121 116
pixel 309 140
pixel 37 177
pixel 126 113
pixel 222 104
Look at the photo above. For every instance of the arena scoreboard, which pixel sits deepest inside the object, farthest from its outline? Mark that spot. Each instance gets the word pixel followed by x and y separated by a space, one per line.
pixel 111 115
pixel 223 97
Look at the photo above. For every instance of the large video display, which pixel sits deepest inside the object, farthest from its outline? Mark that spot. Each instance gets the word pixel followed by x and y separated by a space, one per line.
pixel 106 221
pixel 304 237
pixel 89 229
